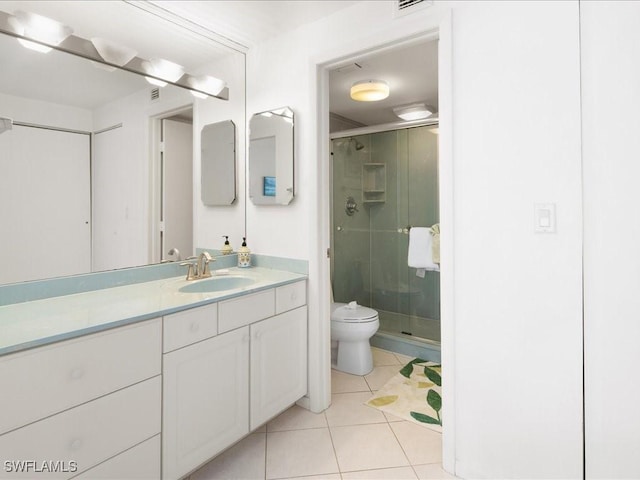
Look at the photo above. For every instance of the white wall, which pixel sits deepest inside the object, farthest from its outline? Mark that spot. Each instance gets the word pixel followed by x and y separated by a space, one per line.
pixel 518 294
pixel 121 188
pixel 611 145
pixel 28 110
pixel 516 142
pixel 211 223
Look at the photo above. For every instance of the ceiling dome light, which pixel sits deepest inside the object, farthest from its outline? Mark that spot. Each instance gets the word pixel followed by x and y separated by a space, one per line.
pixel 414 111
pixel 369 90
pixel 40 29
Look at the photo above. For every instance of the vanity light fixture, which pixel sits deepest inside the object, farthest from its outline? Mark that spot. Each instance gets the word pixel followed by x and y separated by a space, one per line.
pixel 112 52
pixel 44 34
pixel 206 83
pixel 413 111
pixel 42 30
pixel 369 90
pixel 160 69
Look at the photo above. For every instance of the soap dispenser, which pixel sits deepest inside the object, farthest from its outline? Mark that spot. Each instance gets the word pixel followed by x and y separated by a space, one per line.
pixel 226 248
pixel 244 254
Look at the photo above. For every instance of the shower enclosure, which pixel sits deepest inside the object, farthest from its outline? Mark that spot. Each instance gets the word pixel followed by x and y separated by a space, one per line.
pixel 383 184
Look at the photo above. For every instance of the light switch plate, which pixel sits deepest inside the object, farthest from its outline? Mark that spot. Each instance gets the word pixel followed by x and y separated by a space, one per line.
pixel 545 218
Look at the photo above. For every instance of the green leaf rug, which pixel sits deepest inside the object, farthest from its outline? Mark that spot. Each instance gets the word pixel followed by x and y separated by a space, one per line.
pixel 414 393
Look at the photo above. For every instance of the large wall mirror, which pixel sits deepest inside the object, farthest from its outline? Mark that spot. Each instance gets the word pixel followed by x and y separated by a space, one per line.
pixel 271 159
pixel 80 178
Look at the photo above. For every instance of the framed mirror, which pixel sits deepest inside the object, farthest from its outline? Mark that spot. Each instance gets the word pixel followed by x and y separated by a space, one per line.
pixel 271 157
pixel 218 163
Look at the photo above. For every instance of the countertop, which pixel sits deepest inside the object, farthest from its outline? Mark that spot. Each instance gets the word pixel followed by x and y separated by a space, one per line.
pixel 41 322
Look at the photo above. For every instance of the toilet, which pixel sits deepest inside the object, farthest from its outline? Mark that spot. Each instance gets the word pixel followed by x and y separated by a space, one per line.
pixel 352 326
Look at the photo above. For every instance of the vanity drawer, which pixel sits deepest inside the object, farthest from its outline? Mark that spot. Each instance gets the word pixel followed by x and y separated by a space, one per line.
pixel 190 326
pixel 88 434
pixel 137 463
pixel 291 296
pixel 46 380
pixel 241 311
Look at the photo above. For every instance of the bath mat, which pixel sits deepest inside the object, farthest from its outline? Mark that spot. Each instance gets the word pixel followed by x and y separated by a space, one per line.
pixel 414 393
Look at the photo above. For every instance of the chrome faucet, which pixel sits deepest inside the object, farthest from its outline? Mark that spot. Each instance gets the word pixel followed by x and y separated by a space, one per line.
pixel 200 268
pixel 203 265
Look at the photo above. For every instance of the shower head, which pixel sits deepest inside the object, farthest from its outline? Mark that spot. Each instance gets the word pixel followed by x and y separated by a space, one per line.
pixel 359 146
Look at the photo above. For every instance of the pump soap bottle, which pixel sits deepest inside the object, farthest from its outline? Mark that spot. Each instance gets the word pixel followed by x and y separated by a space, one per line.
pixel 244 255
pixel 226 248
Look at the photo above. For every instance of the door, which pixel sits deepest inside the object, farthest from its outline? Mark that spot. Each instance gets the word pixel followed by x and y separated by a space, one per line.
pixel 206 400
pixel 278 364
pixel 177 184
pixel 46 203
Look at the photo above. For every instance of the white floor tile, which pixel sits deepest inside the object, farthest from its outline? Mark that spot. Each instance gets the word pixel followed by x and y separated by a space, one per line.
pixel 400 473
pixel 380 376
pixel 432 471
pixel 331 476
pixel 392 418
pixel 350 409
pixel 345 383
pixel 297 418
pixel 245 460
pixel 367 447
pixel 299 453
pixel 422 445
pixel 382 357
pixel 403 359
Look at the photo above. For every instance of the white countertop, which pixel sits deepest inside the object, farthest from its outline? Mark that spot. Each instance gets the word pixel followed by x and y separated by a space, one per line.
pixel 40 322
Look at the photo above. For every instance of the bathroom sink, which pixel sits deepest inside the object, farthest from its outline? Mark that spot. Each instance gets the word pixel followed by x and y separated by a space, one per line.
pixel 217 284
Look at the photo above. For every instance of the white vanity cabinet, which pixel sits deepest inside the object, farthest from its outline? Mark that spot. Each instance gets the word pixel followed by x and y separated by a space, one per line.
pixel 79 404
pixel 206 395
pixel 219 388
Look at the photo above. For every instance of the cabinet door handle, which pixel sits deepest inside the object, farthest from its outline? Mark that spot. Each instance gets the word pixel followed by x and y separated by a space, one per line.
pixel 245 338
pixel 258 334
pixel 194 327
pixel 77 373
pixel 294 297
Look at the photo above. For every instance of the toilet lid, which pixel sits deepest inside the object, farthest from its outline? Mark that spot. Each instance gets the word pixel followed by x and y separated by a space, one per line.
pixel 353 312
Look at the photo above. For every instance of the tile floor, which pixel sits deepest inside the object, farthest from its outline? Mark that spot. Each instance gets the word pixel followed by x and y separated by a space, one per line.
pixel 348 441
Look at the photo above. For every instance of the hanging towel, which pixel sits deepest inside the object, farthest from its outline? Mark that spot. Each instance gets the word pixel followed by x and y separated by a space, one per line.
pixel 420 250
pixel 435 243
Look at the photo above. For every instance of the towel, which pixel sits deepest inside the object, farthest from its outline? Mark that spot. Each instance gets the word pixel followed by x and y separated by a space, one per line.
pixel 420 250
pixel 435 243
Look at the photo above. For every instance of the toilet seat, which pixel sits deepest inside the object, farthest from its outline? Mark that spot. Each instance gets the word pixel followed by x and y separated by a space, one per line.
pixel 353 313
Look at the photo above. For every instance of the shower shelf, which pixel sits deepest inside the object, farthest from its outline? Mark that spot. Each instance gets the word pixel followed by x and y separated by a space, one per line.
pixel 374 179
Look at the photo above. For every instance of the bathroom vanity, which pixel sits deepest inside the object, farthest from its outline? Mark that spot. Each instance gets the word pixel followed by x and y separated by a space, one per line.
pixel 146 380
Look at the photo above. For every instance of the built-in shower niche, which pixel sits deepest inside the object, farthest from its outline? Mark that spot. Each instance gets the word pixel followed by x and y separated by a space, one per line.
pixel 374 183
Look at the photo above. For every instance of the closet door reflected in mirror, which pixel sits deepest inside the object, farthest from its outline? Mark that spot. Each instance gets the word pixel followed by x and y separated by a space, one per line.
pixel 271 157
pixel 218 163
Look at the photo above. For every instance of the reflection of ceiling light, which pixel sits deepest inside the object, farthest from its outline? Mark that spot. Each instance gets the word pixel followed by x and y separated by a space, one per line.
pixel 206 83
pixel 415 111
pixel 113 53
pixel 162 69
pixel 39 28
pixel 369 90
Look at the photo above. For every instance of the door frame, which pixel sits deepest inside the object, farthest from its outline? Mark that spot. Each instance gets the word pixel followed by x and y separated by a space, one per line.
pixel 155 178
pixel 320 223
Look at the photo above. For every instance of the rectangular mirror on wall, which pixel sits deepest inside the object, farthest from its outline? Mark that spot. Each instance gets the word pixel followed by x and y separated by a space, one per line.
pixel 271 157
pixel 218 168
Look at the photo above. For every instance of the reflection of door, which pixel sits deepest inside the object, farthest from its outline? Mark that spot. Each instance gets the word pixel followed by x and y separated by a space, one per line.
pixel 177 184
pixel 45 203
